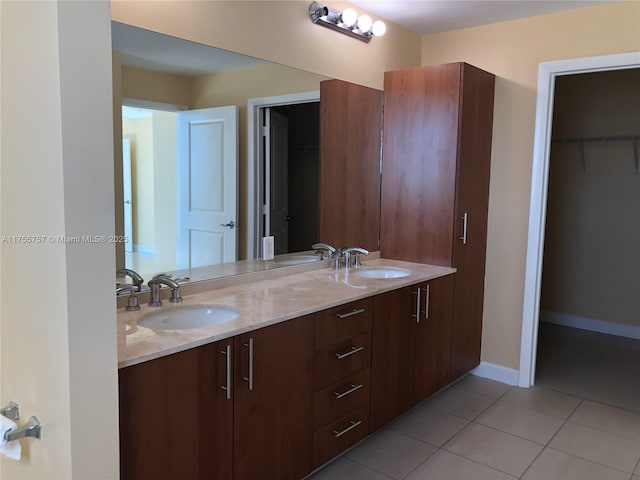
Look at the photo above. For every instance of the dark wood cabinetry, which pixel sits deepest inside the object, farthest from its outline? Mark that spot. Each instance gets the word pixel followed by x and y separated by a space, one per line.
pixel 411 347
pixel 349 193
pixel 435 184
pixel 272 418
pixel 175 420
pixel 240 408
pixel 341 378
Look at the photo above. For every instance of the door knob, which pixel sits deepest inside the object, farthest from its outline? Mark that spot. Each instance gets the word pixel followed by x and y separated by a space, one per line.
pixel 230 225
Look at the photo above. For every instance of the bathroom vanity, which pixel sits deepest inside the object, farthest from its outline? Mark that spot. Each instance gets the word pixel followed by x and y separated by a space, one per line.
pixel 313 363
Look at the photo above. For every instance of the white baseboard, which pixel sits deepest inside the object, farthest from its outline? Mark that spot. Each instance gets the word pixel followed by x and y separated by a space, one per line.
pixel 496 372
pixel 583 323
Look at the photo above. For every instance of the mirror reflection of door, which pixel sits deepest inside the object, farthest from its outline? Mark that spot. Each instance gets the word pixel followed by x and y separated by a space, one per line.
pixel 206 198
pixel 291 175
pixel 277 166
pixel 127 197
pixel 207 187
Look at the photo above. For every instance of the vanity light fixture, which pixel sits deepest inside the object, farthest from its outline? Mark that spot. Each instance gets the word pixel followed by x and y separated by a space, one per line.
pixel 348 22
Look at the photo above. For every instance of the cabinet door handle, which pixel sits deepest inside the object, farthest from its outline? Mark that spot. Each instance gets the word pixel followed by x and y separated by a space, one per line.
pixel 355 311
pixel 426 301
pixel 353 425
pixel 249 379
pixel 353 350
pixel 417 315
pixel 464 228
pixel 227 386
pixel 351 389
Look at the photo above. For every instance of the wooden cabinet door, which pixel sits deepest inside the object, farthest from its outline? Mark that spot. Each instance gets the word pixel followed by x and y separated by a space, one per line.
pixel 393 352
pixel 350 140
pixel 419 166
pixel 433 337
pixel 273 401
pixel 175 419
pixel 472 201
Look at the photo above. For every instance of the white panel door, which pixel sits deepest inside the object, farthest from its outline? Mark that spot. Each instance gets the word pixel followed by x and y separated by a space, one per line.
pixel 277 155
pixel 127 195
pixel 207 186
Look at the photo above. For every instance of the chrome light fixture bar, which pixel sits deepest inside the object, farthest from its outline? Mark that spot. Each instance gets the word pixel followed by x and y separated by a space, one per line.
pixel 347 22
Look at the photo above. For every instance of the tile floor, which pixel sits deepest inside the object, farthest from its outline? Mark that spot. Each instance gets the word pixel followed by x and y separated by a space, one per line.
pixel 590 365
pixel 479 429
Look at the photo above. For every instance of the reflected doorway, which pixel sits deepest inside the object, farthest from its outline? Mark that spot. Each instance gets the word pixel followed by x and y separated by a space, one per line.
pixel 290 184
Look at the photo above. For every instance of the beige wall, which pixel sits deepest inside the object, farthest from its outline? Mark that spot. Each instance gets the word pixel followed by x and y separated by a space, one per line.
pixel 513 50
pixel 155 86
pixel 591 262
pixel 277 31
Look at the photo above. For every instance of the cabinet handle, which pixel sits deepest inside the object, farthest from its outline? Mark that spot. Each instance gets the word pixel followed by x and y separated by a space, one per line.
pixel 249 379
pixel 227 386
pixel 417 315
pixel 355 311
pixel 353 350
pixel 352 389
pixel 353 425
pixel 464 228
pixel 426 301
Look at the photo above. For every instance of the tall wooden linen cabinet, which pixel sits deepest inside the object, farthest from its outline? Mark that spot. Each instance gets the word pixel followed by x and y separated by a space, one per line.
pixel 435 185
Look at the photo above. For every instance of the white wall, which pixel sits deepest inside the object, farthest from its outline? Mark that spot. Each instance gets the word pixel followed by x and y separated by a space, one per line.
pixel 58 342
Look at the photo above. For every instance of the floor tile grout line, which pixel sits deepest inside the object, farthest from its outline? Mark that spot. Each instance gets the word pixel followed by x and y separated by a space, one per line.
pixel 460 456
pixel 545 446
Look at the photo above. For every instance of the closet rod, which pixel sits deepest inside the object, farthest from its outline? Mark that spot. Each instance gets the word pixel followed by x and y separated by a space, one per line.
pixel 609 138
pixel 612 138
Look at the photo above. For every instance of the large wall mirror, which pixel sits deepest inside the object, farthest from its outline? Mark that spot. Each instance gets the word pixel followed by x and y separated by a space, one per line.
pixel 182 172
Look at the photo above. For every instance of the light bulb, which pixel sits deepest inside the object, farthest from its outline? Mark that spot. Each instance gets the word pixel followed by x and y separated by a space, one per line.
pixel 349 17
pixel 379 28
pixel 364 23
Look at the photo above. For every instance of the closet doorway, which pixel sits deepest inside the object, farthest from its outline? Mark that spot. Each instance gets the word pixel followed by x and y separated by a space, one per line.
pixel 548 72
pixel 589 332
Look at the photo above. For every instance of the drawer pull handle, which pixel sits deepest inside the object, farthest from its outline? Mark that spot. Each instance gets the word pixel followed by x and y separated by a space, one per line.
pixel 353 350
pixel 355 311
pixel 353 425
pixel 352 389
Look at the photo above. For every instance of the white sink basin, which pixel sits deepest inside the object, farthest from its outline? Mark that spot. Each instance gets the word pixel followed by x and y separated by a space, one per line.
pixel 381 272
pixel 192 316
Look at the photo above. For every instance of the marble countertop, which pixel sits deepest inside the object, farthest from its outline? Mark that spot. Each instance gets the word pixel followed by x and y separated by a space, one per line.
pixel 261 303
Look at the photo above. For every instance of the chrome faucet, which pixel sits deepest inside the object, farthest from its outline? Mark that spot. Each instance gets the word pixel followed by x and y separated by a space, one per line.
pixel 319 247
pixel 156 283
pixel 357 251
pixel 136 279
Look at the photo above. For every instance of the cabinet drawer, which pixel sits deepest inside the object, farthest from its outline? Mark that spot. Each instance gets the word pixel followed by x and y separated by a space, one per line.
pixel 336 437
pixel 342 322
pixel 340 398
pixel 341 359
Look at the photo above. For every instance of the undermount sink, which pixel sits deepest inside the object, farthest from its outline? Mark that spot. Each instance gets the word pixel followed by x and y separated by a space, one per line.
pixel 381 272
pixel 296 259
pixel 186 317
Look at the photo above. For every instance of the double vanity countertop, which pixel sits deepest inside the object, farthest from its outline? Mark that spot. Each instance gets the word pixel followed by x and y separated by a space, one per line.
pixel 262 303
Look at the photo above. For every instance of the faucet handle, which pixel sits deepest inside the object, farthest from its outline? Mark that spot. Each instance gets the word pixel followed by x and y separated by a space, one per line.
pixel 132 302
